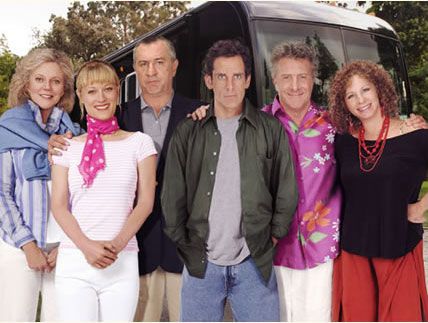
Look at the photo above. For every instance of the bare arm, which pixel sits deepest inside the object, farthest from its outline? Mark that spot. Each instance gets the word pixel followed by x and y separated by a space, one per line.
pixel 415 211
pixel 97 253
pixel 145 199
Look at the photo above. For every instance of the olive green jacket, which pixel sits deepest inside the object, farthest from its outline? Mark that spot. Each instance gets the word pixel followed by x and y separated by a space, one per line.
pixel 268 186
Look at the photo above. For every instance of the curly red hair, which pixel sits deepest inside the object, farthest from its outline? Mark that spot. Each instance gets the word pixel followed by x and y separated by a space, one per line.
pixel 375 74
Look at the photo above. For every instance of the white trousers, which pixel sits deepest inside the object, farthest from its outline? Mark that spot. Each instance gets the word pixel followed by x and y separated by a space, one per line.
pixel 20 287
pixel 85 293
pixel 305 295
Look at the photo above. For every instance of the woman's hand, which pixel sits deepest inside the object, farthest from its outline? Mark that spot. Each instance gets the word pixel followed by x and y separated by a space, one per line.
pixel 36 258
pixel 57 143
pixel 52 255
pixel 99 253
pixel 118 244
pixel 415 212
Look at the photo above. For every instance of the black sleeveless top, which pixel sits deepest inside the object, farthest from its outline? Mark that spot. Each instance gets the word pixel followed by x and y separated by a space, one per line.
pixel 374 222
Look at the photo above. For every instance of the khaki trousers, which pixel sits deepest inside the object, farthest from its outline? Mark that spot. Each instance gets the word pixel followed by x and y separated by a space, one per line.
pixel 153 287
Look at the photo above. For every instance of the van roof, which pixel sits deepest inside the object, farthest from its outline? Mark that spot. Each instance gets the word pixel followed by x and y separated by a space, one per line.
pixel 318 13
pixel 285 10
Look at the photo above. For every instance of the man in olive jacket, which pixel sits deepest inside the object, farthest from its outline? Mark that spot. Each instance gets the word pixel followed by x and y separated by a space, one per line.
pixel 229 193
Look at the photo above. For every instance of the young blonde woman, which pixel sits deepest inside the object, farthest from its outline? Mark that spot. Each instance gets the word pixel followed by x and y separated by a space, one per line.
pixel 40 94
pixel 379 275
pixel 95 183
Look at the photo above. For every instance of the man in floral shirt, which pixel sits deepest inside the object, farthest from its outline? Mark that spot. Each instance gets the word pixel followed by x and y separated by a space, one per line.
pixel 304 258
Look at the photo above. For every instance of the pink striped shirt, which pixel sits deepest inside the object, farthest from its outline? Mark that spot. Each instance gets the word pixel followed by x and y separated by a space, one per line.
pixel 102 209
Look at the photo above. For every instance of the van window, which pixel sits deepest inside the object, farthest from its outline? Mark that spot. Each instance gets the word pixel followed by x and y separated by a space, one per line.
pixel 131 86
pixel 326 40
pixel 380 50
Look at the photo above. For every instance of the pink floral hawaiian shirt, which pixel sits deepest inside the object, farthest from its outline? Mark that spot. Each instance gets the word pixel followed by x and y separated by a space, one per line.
pixel 314 232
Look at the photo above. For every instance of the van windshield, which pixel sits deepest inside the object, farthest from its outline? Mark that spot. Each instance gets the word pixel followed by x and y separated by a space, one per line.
pixel 331 50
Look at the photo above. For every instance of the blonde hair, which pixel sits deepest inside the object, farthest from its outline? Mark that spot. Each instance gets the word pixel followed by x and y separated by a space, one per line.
pixel 95 71
pixel 28 64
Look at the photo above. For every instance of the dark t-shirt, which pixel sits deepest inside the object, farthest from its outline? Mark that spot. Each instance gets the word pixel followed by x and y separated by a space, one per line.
pixel 375 204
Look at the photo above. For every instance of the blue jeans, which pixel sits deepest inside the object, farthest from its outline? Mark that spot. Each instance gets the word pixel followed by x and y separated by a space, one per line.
pixel 243 285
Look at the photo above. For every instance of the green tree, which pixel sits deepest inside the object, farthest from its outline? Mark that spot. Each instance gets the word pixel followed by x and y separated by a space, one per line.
pixel 409 20
pixel 100 27
pixel 7 68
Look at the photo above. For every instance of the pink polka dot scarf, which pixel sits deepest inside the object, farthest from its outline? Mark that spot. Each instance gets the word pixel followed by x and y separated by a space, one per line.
pixel 93 158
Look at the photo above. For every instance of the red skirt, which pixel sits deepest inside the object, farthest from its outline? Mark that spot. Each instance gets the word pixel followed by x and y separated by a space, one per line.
pixel 377 289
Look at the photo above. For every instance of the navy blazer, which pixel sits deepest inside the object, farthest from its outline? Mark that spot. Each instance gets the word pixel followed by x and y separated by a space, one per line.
pixel 156 249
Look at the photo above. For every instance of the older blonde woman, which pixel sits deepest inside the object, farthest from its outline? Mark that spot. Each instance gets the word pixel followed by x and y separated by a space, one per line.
pixel 95 183
pixel 41 93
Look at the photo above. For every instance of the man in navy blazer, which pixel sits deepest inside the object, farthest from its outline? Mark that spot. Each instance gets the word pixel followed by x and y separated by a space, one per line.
pixel 156 112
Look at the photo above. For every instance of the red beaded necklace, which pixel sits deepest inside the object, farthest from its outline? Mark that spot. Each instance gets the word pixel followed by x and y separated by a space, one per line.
pixel 370 154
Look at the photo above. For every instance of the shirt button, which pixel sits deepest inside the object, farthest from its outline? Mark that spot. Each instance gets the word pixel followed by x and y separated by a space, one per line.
pixel 203 261
pixel 215 133
pixel 215 153
pixel 211 173
pixel 209 193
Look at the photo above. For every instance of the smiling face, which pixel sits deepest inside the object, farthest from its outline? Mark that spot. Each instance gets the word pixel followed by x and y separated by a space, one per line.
pixel 361 99
pixel 228 83
pixel 294 81
pixel 155 68
pixel 100 99
pixel 46 87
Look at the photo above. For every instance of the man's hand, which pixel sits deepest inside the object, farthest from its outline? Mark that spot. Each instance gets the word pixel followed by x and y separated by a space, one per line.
pixel 274 241
pixel 199 113
pixel 58 142
pixel 416 122
pixel 99 253
pixel 415 213
pixel 36 259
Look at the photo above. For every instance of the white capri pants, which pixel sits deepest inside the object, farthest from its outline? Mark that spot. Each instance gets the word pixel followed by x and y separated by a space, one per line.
pixel 86 293
pixel 20 287
pixel 305 295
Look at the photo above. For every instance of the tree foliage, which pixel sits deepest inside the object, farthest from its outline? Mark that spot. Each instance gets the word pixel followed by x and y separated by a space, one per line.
pixel 7 68
pixel 100 27
pixel 409 19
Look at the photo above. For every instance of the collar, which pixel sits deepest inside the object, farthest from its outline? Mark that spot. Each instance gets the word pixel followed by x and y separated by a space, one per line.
pixel 144 105
pixel 277 108
pixel 249 113
pixel 53 121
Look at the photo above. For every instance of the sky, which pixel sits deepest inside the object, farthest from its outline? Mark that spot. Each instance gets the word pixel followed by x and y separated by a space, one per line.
pixel 19 19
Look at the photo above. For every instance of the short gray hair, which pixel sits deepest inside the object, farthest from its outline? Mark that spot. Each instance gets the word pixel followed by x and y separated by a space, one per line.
pixel 151 40
pixel 293 50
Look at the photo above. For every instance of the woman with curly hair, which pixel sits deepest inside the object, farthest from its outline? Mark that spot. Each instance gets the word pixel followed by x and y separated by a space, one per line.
pixel 40 95
pixel 382 162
